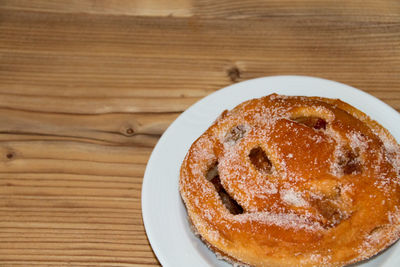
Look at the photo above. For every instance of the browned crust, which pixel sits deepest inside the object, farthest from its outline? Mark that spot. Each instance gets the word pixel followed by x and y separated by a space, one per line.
pixel 219 253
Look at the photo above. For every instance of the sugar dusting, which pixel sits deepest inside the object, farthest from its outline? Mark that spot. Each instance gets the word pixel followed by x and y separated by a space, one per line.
pixel 284 220
pixel 213 235
pixel 293 198
pixel 392 151
pixel 358 141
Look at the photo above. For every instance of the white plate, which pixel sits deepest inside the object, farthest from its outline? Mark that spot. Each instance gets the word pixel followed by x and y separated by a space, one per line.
pixel 164 215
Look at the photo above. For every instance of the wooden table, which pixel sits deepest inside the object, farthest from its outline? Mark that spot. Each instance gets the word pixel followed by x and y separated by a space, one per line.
pixel 87 87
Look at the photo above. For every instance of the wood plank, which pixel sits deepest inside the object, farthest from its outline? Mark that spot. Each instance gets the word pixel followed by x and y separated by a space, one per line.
pixel 228 9
pixel 33 74
pixel 176 8
pixel 126 129
pixel 96 105
pixel 13 150
pixel 218 38
pixel 246 9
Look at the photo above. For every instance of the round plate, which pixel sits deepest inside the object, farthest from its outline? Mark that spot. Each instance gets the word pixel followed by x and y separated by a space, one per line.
pixel 164 214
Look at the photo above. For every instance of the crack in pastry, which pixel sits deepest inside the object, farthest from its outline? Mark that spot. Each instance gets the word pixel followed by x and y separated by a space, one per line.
pixel 260 160
pixel 229 202
pixel 311 121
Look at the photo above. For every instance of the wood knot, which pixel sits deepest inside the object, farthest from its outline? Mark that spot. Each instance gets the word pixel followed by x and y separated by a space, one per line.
pixel 10 155
pixel 129 131
pixel 233 74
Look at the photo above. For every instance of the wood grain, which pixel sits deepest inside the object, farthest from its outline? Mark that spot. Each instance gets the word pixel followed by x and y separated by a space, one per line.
pixel 120 7
pixel 87 88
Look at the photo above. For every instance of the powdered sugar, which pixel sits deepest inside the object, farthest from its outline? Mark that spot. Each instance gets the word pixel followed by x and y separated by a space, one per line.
pixel 213 235
pixel 294 198
pixel 358 141
pixel 284 220
pixel 393 152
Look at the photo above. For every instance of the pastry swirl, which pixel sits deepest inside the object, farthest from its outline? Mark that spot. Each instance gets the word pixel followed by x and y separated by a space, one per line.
pixel 294 181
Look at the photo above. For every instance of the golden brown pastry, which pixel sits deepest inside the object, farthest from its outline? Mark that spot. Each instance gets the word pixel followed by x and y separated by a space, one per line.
pixel 294 181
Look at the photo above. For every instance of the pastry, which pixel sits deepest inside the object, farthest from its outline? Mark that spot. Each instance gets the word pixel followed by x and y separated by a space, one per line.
pixel 293 181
